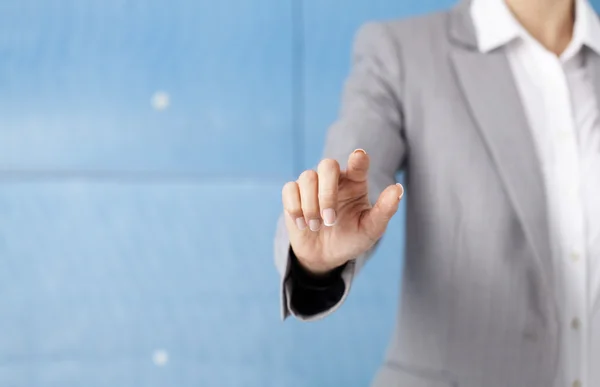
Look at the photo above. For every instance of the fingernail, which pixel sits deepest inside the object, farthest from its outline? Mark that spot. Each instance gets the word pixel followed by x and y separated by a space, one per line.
pixel 401 191
pixel 314 224
pixel 360 150
pixel 329 217
pixel 301 223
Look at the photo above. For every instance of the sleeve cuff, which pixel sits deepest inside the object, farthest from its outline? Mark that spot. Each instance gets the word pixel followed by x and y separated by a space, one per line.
pixel 308 297
pixel 306 280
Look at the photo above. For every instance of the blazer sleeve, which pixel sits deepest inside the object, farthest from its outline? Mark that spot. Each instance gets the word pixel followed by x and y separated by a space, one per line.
pixel 370 118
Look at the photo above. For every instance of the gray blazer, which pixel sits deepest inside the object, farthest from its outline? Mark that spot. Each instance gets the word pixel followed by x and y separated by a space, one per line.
pixel 478 304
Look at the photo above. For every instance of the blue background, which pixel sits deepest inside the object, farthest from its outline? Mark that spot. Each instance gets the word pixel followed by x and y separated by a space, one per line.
pixel 136 243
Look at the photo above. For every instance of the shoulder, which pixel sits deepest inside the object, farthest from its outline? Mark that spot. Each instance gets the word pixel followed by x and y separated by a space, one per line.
pixel 414 45
pixel 412 31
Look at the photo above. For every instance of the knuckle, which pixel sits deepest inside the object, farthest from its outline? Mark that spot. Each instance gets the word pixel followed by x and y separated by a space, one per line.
pixel 290 198
pixel 289 188
pixel 327 194
pixel 361 167
pixel 308 176
pixel 329 165
pixel 294 210
pixel 310 210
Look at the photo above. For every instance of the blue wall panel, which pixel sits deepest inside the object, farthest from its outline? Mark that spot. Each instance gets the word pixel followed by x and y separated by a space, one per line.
pixel 138 284
pixel 78 80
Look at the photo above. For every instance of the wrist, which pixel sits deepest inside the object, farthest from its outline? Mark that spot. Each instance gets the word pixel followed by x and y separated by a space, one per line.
pixel 312 272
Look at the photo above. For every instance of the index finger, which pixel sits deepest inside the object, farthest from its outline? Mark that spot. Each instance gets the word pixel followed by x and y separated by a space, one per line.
pixel 358 166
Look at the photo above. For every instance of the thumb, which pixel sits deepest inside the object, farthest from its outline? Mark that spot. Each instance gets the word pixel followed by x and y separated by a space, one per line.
pixel 375 220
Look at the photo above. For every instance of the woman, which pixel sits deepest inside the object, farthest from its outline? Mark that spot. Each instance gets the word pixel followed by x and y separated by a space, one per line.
pixel 491 109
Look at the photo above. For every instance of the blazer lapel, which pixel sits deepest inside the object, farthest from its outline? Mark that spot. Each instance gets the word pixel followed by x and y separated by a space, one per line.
pixel 494 101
